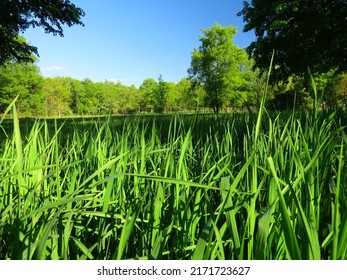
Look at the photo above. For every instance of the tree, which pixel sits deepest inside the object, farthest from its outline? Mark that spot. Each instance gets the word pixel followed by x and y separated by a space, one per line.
pixel 160 96
pixel 216 64
pixel 172 97
pixel 333 89
pixel 77 91
pixel 109 99
pixel 340 91
pixel 22 79
pixel 305 33
pixel 247 86
pixel 148 91
pixel 58 96
pixel 287 94
pixel 185 99
pixel 16 16
pixel 127 98
pixel 90 102
pixel 191 96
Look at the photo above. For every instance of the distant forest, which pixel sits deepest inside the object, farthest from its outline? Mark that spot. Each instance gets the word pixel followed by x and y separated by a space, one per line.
pixel 296 36
pixel 65 96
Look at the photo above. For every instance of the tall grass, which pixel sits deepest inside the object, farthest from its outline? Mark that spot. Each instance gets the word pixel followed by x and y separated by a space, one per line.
pixel 239 186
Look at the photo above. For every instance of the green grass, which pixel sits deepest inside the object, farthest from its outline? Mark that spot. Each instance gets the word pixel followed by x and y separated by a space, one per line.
pixel 232 186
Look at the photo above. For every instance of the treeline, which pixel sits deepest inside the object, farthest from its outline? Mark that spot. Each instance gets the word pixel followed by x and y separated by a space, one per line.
pixel 64 96
pixel 221 75
pixel 299 92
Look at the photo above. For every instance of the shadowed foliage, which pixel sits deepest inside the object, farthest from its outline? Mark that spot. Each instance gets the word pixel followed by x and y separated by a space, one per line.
pixel 16 16
pixel 303 33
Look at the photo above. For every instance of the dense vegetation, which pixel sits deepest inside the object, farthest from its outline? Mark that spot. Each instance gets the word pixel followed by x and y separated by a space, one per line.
pixel 16 16
pixel 254 184
pixel 221 75
pixel 232 186
pixel 222 69
pixel 312 30
pixel 64 96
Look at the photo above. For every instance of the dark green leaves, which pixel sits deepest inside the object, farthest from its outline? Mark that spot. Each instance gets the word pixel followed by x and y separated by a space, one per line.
pixel 17 16
pixel 313 31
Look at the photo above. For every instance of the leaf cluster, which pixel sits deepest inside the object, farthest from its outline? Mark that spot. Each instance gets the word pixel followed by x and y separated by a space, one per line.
pixel 16 16
pixel 305 33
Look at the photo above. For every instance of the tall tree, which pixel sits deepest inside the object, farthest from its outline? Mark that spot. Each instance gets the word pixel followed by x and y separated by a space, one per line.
pixel 305 33
pixel 216 63
pixel 16 16
pixel 173 97
pixel 160 96
pixel 77 91
pixel 148 91
pixel 91 99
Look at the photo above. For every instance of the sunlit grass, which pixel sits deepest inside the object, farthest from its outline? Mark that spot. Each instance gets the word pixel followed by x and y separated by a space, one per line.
pixel 238 186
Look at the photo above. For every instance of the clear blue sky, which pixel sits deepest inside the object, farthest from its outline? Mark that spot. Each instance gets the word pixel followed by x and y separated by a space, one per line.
pixel 131 40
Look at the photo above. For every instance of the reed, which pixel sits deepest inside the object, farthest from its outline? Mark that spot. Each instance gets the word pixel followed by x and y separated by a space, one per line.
pixel 232 186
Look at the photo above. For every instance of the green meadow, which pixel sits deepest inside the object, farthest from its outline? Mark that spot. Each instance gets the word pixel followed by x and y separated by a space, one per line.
pixel 240 186
pixel 98 170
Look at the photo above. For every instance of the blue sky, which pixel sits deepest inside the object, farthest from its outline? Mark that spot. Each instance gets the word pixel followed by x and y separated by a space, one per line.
pixel 131 40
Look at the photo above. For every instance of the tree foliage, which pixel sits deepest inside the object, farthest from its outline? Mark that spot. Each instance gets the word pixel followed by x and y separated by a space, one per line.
pixel 333 88
pixel 305 33
pixel 16 16
pixel 217 65
pixel 148 91
pixel 341 91
pixel 58 96
pixel 23 80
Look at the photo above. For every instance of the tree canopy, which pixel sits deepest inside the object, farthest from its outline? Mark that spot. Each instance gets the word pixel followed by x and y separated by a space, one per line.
pixel 16 16
pixel 305 33
pixel 217 65
pixel 22 79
